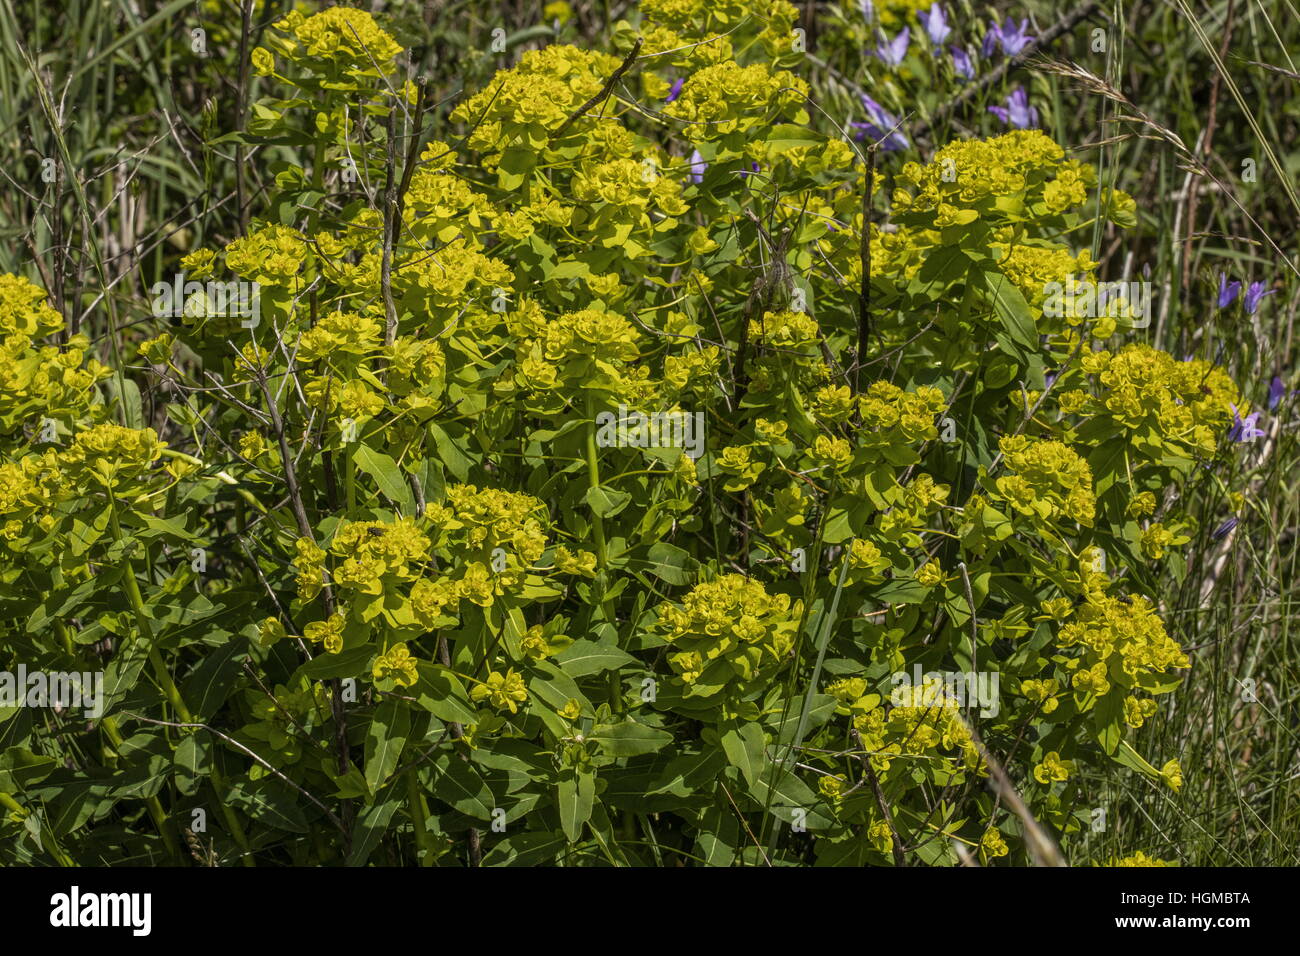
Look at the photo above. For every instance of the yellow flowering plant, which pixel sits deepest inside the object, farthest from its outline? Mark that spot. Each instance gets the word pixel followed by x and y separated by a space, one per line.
pixel 612 484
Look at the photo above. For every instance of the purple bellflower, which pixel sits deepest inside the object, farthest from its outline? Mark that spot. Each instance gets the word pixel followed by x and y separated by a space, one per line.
pixel 1016 112
pixel 1227 290
pixel 880 126
pixel 936 26
pixel 1244 429
pixel 1254 292
pixel 894 51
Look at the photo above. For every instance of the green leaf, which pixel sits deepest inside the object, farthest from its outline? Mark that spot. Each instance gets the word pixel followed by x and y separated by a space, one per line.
pixel 347 663
pixel 385 739
pixel 583 658
pixel 1012 309
pixel 371 825
pixel 193 761
pixel 207 688
pixel 270 801
pixel 442 694
pixel 459 783
pixel 606 502
pixel 575 794
pixel 20 768
pixel 449 453
pixel 1108 719
pixel 629 738
pixel 670 563
pixel 743 745
pixel 387 475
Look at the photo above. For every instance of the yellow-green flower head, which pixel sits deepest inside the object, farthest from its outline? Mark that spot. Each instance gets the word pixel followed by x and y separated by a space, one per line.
pixel 1138 859
pixel 273 255
pixel 1045 478
pixel 1128 631
pixel 493 518
pixel 341 332
pixel 976 173
pixel 738 465
pixel 1033 268
pixel 731 623
pixel 591 335
pixel 504 692
pixel 1172 774
pixel 1165 403
pixel 581 562
pixel 632 187
pixel 727 98
pixel 269 631
pixel 1137 710
pixel 771 21
pixel 310 564
pixel 442 205
pixel 831 787
pixel 434 602
pixel 833 453
pixel 25 310
pixel 373 555
pixel 528 102
pixel 930 574
pixel 29 488
pixel 1043 692
pixel 398 664
pixel 992 844
pixel 1053 769
pixel 199 264
pixel 337 41
pixel 925 719
pixel 112 453
pixel 795 332
pixel 847 690
pixel 448 280
pixel 328 633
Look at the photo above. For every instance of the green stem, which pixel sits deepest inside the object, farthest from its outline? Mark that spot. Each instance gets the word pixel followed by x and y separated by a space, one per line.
pixel 419 815
pixel 593 480
pixel 350 478
pixel 616 700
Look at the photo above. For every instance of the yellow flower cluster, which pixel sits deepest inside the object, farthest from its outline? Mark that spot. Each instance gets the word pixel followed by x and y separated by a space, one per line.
pixel 398 664
pixel 892 416
pixel 29 489
pixel 1122 640
pixel 1138 859
pixel 273 255
pixel 504 692
pixel 1045 478
pixel 677 23
pixel 345 332
pixel 977 174
pixel 1163 404
pixel 727 98
pixel 337 42
pixel 48 381
pixel 111 454
pixel 924 722
pixel 445 281
pixel 527 103
pixel 726 629
pixel 372 556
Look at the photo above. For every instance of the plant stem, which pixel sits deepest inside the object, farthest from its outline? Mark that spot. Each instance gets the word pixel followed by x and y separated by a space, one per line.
pixel 419 815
